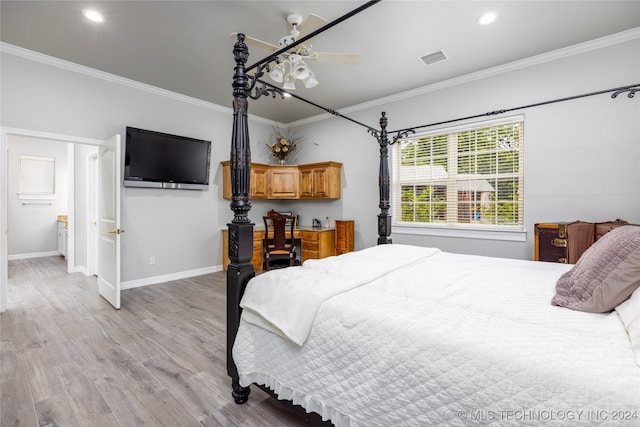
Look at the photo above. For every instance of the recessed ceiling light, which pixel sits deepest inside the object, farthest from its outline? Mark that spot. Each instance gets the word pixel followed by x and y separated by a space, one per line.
pixel 93 15
pixel 487 18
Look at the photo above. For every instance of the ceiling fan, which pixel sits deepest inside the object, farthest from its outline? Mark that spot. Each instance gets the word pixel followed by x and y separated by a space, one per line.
pixel 291 64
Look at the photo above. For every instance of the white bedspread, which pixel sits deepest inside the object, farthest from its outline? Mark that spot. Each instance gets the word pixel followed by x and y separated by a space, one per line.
pixel 289 310
pixel 452 340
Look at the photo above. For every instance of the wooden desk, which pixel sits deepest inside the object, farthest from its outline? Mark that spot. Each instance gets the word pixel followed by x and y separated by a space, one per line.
pixel 316 243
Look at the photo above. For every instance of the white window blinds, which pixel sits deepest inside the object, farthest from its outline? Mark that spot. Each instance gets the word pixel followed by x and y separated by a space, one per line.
pixel 467 176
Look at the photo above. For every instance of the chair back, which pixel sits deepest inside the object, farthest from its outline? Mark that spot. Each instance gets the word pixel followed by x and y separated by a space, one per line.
pixel 277 224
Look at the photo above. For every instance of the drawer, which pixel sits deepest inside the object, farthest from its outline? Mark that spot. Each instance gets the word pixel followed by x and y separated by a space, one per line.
pixel 309 246
pixel 307 254
pixel 309 236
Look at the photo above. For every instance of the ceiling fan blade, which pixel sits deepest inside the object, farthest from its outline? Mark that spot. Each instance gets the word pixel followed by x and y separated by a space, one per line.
pixel 336 58
pixel 311 24
pixel 255 42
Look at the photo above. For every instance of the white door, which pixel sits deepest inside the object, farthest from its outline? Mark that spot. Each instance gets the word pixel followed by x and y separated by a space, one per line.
pixel 109 221
pixel 92 214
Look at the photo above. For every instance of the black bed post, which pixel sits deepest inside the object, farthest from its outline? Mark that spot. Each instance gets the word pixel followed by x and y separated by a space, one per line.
pixel 240 269
pixel 384 219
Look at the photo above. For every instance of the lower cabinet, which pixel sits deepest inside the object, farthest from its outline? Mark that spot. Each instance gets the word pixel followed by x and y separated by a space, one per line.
pixel 62 238
pixel 318 243
pixel 315 244
pixel 345 239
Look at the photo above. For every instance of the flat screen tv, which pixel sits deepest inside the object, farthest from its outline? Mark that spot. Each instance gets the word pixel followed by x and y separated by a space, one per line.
pixel 160 160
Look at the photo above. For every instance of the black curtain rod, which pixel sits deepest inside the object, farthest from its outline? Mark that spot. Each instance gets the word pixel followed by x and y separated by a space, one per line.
pixel 328 110
pixel 331 24
pixel 616 91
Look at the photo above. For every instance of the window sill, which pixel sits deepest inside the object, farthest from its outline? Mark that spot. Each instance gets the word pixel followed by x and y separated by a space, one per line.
pixel 461 232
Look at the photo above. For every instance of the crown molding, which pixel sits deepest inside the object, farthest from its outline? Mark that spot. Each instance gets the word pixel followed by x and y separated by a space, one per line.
pixel 599 43
pixel 92 72
pixel 554 55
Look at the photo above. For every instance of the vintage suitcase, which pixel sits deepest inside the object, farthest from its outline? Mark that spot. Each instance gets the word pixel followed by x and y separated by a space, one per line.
pixel 603 228
pixel 563 242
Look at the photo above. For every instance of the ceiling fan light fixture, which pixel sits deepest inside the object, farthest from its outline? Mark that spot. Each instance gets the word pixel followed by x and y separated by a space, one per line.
pixel 277 74
pixel 289 84
pixel 291 64
pixel 311 81
pixel 301 71
pixel 286 41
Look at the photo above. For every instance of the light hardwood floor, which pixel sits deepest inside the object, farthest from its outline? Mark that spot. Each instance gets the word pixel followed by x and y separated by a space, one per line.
pixel 67 358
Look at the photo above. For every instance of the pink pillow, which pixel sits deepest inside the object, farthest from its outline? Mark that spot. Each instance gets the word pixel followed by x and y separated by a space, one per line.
pixel 605 275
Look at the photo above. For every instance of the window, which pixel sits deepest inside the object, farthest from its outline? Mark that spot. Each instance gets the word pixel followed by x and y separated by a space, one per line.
pixel 469 176
pixel 37 177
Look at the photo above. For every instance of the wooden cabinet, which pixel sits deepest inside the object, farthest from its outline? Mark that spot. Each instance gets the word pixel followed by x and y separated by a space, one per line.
pixel 314 244
pixel 320 180
pixel 345 240
pixel 319 243
pixel 62 236
pixel 283 182
pixel 258 177
pixel 259 181
pixel 311 181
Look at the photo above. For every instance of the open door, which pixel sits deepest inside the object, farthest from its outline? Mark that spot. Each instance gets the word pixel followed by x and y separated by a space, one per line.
pixel 92 213
pixel 109 230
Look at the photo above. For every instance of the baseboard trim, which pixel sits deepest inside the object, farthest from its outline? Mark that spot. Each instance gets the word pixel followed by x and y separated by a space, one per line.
pixel 32 255
pixel 130 284
pixel 81 269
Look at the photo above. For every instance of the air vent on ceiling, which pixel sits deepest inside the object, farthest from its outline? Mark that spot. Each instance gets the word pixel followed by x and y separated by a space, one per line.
pixel 434 57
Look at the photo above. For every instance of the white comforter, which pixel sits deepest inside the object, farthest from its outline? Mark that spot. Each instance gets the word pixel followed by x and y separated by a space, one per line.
pixel 288 310
pixel 452 340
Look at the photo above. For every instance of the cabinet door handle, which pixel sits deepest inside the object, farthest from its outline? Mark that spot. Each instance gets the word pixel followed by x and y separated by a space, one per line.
pixel 116 231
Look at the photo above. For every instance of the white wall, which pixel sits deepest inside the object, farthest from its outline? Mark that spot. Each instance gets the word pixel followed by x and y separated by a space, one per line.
pixel 32 224
pixel 582 157
pixel 180 228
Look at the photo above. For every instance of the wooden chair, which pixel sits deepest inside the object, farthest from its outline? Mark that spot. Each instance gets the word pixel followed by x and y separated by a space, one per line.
pixel 278 240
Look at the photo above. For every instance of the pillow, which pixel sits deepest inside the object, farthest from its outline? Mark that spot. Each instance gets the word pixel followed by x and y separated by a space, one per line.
pixel 629 312
pixel 605 275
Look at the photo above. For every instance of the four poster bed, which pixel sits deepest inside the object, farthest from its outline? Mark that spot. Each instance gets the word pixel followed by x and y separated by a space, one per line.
pixel 404 335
